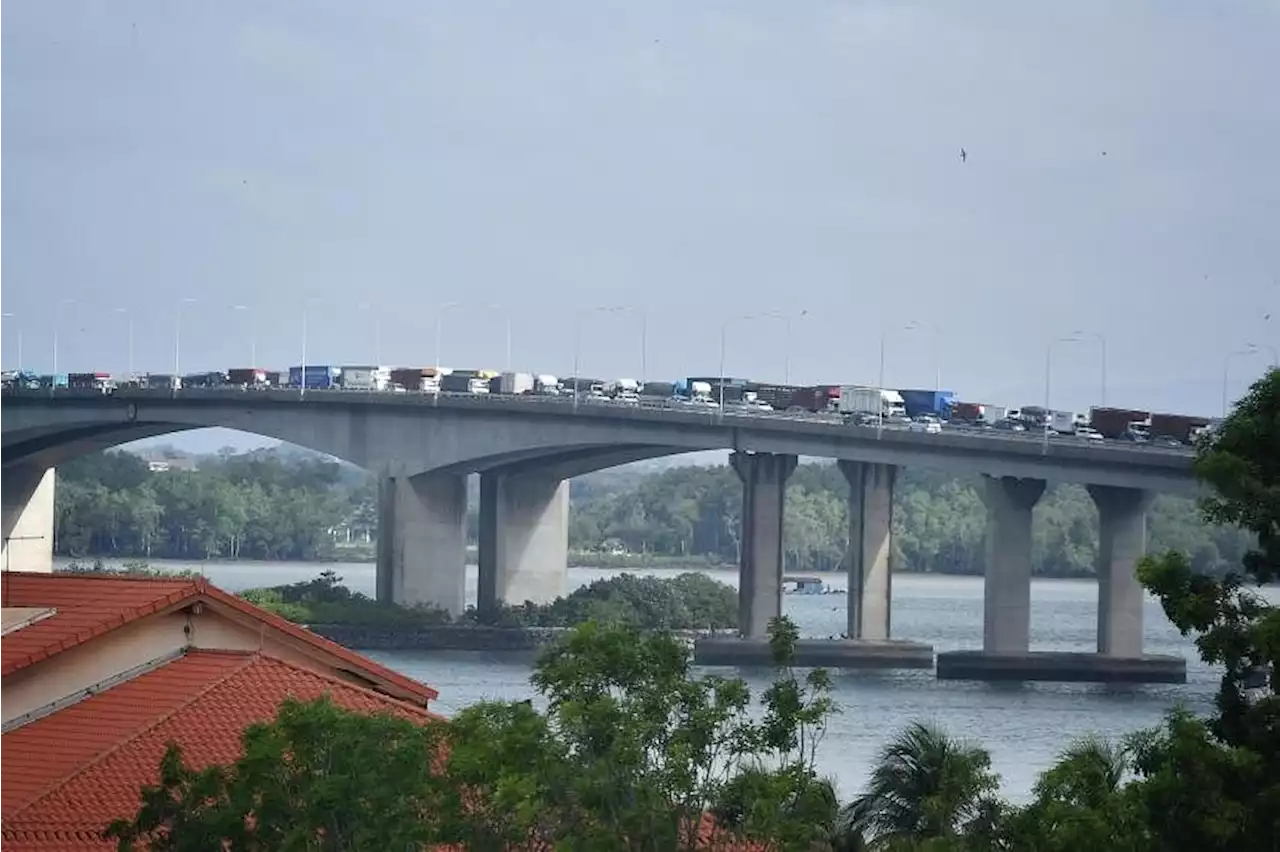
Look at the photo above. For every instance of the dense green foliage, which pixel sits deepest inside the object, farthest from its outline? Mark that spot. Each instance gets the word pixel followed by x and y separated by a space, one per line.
pixel 251 506
pixel 632 751
pixel 939 521
pixel 266 506
pixel 686 602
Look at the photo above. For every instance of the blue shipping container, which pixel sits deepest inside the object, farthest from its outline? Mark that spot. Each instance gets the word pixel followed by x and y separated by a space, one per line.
pixel 920 402
pixel 319 376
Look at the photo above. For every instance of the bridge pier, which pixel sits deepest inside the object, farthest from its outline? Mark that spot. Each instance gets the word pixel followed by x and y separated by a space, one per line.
pixel 27 510
pixel 422 540
pixel 764 485
pixel 870 548
pixel 1122 540
pixel 524 538
pixel 1006 610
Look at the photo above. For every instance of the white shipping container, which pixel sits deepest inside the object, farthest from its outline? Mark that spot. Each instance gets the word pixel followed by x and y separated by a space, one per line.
pixel 858 400
pixel 365 378
pixel 515 383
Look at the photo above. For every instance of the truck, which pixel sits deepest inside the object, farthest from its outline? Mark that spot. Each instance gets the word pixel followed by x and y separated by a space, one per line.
pixel 215 379
pixel 415 379
pixel 1062 422
pixel 367 378
pixel 512 383
pixel 695 391
pixel 859 400
pixel 466 381
pixel 623 390
pixel 816 398
pixel 1119 423
pixel 658 390
pixel 777 397
pixel 935 402
pixel 968 412
pixel 247 377
pixel 1182 428
pixel 317 377
pixel 730 393
pixel 547 385
pixel 97 382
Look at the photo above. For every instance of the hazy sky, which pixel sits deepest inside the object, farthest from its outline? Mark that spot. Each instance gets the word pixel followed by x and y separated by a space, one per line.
pixel 693 160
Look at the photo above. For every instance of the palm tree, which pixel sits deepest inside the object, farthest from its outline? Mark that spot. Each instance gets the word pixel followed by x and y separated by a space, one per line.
pixel 925 785
pixel 1087 774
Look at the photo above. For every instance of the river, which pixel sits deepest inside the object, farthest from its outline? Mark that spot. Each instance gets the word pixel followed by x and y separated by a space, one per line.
pixel 1023 725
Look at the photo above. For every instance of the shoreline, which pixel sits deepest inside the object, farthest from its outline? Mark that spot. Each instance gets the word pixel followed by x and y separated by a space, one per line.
pixel 461 637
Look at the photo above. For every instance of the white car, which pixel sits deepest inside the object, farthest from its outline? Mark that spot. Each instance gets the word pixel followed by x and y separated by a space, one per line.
pixel 927 425
pixel 1089 433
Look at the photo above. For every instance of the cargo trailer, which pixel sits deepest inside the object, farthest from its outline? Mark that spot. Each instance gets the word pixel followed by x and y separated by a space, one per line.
pixel 512 384
pixel 1178 427
pixel 548 385
pixel 363 377
pixel 246 376
pixel 97 382
pixel 935 402
pixel 465 381
pixel 778 397
pixel 1117 422
pixel 658 390
pixel 317 377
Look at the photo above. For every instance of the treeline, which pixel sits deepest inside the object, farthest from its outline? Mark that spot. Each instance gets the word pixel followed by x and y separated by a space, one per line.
pixel 248 506
pixel 939 521
pixel 267 505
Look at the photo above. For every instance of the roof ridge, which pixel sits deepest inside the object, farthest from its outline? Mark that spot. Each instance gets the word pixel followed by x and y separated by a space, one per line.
pixel 154 723
pixel 334 679
pixel 264 616
pixel 117 619
pixel 63 576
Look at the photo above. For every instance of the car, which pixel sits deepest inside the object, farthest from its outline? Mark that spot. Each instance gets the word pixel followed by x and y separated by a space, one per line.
pixel 1089 433
pixel 928 425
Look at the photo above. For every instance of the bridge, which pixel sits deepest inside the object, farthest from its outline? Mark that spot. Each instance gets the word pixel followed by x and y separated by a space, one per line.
pixel 525 449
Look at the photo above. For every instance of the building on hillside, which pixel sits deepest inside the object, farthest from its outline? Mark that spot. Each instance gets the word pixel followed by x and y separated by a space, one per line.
pixel 101 672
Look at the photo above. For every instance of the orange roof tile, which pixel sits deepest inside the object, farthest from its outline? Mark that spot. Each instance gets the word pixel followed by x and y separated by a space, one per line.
pixel 90 605
pixel 69 774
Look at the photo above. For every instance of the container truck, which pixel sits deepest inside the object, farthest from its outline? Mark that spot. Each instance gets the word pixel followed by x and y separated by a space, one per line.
pixel 161 381
pixel 1118 422
pixel 204 380
pixel 97 382
pixel 416 379
pixel 777 397
pixel 465 381
pixel 816 398
pixel 623 390
pixel 318 377
pixel 859 400
pixel 935 402
pixel 249 377
pixel 968 412
pixel 695 391
pixel 547 385
pixel 731 392
pixel 365 378
pixel 1178 427
pixel 658 390
pixel 512 383
pixel 1062 422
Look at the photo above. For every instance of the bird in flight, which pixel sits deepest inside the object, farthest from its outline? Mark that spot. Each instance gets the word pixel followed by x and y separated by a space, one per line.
pixel 964 155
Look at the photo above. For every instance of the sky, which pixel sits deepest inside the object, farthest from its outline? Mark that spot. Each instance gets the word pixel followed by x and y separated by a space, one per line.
pixel 374 171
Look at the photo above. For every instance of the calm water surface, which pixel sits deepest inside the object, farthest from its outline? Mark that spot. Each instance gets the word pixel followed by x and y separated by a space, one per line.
pixel 1024 726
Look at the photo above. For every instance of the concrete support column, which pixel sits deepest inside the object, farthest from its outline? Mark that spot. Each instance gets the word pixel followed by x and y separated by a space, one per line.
pixel 1122 540
pixel 26 495
pixel 764 483
pixel 524 538
pixel 422 540
pixel 1007 597
pixel 870 547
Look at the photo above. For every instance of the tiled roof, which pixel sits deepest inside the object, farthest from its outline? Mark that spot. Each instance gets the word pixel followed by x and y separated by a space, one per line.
pixel 89 606
pixel 67 775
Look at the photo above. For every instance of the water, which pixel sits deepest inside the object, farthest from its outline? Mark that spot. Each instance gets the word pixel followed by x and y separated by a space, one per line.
pixel 1024 726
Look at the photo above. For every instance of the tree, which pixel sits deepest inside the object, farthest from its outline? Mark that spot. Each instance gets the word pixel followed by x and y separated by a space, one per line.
pixel 925 786
pixel 316 777
pixel 1218 783
pixel 633 753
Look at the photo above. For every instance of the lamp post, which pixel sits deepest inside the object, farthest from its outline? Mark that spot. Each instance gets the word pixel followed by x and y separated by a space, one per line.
pixel 936 333
pixel 577 339
pixel 786 352
pixel 1102 349
pixel 177 336
pixel 15 316
pixel 129 335
pixel 1048 369
pixel 57 327
pixel 1249 349
pixel 253 334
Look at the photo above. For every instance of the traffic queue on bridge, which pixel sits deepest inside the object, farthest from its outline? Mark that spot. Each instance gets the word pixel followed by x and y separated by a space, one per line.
pixel 919 410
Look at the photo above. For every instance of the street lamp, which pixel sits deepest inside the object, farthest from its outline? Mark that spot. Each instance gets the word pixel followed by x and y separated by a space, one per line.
pixel 1102 348
pixel 129 320
pixel 1048 369
pixel 177 336
pixel 57 323
pixel 913 325
pixel 786 345
pixel 577 339
pixel 15 316
pixel 916 325
pixel 253 334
